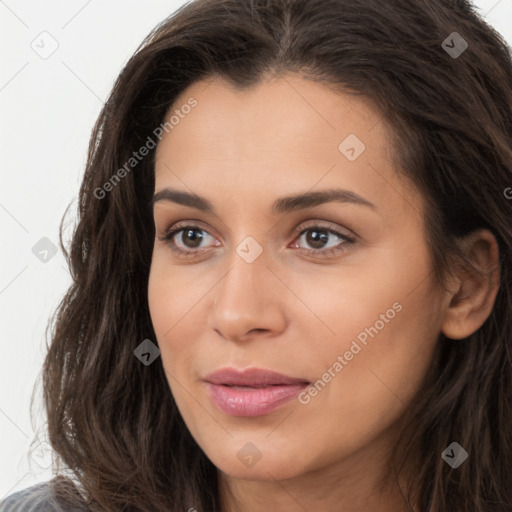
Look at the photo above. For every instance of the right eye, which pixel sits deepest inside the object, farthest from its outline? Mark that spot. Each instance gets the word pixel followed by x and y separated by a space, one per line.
pixel 189 236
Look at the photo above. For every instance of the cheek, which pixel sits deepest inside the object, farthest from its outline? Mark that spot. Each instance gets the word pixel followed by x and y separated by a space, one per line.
pixel 170 295
pixel 384 325
pixel 165 305
pixel 366 375
pixel 159 295
pixel 176 313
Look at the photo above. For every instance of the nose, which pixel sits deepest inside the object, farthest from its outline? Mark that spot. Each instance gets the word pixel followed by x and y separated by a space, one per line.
pixel 248 301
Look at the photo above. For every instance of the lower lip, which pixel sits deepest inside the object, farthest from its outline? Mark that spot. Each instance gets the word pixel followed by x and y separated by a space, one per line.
pixel 250 402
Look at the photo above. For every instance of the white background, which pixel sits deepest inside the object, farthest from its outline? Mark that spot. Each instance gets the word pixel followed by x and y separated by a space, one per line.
pixel 47 110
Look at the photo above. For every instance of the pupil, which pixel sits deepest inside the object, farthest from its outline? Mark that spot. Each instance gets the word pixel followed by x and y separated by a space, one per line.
pixel 317 238
pixel 193 237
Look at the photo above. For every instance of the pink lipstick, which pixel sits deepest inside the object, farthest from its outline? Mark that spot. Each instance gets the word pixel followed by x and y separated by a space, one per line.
pixel 251 392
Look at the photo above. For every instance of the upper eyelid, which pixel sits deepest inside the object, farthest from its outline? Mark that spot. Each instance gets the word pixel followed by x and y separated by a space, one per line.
pixel 307 224
pixel 177 227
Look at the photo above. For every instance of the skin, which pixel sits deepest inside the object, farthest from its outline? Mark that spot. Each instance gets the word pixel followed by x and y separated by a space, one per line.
pixel 293 311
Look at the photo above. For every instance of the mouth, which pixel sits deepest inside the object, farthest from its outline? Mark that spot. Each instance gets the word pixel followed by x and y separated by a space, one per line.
pixel 252 377
pixel 251 392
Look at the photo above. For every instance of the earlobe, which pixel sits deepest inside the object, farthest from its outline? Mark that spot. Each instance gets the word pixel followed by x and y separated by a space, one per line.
pixel 472 297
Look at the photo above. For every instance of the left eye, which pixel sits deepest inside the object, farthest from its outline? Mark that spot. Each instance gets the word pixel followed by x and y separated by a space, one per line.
pixel 316 236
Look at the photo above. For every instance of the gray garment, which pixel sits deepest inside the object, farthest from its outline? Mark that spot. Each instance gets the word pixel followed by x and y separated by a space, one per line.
pixel 38 498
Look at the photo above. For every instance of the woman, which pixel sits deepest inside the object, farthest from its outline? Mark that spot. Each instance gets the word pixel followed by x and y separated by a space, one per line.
pixel 292 268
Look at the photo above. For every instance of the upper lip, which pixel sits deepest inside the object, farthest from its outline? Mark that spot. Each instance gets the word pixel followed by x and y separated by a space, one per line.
pixel 251 377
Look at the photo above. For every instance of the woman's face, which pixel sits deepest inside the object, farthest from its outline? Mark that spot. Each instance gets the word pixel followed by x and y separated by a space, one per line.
pixel 333 288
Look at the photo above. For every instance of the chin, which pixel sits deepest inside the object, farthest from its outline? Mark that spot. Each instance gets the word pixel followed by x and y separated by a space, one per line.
pixel 275 465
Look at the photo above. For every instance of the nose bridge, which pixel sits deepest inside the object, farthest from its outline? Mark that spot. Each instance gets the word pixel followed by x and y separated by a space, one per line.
pixel 243 299
pixel 247 266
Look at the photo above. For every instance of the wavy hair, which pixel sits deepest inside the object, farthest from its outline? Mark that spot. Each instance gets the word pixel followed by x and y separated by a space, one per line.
pixel 112 421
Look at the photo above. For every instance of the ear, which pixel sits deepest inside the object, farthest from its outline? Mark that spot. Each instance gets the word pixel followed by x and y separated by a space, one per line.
pixel 472 293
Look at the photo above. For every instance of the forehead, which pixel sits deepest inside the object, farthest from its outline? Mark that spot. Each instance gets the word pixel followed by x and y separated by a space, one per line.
pixel 283 134
pixel 288 116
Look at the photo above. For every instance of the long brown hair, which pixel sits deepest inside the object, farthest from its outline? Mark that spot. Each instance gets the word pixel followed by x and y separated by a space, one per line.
pixel 112 420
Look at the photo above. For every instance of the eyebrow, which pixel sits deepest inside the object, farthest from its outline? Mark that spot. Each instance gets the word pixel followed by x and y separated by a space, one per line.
pixel 281 205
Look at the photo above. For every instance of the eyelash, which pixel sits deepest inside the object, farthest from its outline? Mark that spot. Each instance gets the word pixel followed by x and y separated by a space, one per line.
pixel 347 240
